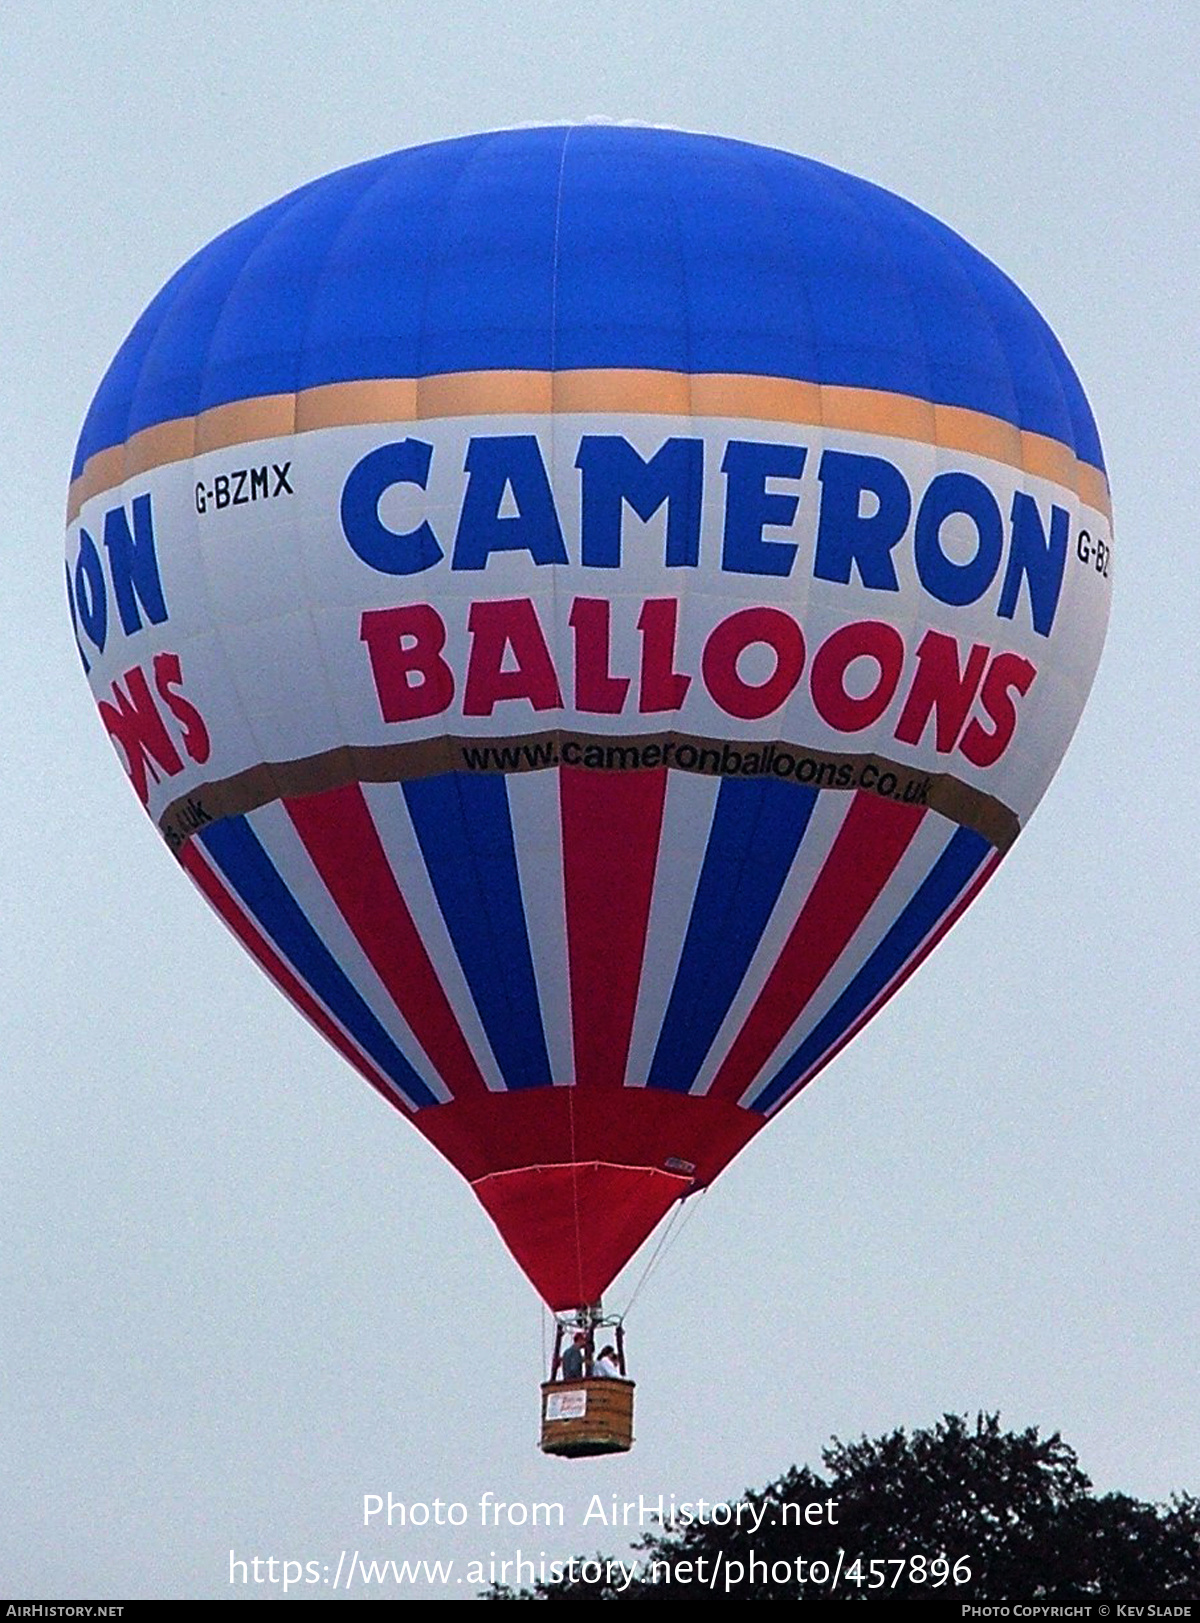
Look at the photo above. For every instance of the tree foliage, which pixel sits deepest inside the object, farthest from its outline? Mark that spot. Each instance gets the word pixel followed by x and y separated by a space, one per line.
pixel 1013 1507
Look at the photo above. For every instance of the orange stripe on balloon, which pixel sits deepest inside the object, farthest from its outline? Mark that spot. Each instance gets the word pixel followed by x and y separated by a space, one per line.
pixel 601 390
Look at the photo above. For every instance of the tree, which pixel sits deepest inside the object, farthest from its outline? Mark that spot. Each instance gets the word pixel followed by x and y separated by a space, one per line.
pixel 1011 1509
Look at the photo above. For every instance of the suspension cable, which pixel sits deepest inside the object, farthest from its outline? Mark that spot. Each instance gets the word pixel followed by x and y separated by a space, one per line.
pixel 665 1243
pixel 575 1190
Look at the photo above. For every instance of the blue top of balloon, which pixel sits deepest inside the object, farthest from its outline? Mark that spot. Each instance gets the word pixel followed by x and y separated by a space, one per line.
pixel 591 246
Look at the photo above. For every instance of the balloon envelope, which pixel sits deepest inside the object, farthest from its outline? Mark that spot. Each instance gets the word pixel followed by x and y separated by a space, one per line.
pixel 589 607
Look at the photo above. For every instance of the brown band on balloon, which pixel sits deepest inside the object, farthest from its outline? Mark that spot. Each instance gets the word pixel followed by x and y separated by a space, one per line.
pixel 538 752
pixel 602 390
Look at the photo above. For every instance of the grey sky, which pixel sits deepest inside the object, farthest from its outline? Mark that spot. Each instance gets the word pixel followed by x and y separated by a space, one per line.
pixel 238 1294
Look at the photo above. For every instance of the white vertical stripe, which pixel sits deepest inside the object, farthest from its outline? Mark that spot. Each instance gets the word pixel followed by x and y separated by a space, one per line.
pixel 687 824
pixel 824 825
pixel 885 991
pixel 389 812
pixel 926 846
pixel 277 834
pixel 535 809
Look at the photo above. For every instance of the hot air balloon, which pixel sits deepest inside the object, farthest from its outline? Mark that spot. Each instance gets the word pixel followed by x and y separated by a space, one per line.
pixel 589 607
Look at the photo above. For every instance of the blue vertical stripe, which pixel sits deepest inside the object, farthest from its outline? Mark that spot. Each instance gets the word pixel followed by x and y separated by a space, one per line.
pixel 756 831
pixel 940 889
pixel 464 828
pixel 253 877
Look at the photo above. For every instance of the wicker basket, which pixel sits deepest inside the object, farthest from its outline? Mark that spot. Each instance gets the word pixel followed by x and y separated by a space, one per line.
pixel 593 1416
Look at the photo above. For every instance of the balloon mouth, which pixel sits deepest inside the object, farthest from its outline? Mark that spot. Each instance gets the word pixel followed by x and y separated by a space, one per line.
pixel 574 1225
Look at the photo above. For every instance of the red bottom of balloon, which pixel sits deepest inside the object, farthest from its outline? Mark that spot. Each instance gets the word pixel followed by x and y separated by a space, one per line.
pixel 575 1179
pixel 572 1227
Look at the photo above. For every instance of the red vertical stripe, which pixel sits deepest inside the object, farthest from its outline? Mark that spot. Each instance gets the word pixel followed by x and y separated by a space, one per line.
pixel 340 836
pixel 873 837
pixel 611 824
pixel 294 990
pixel 913 964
